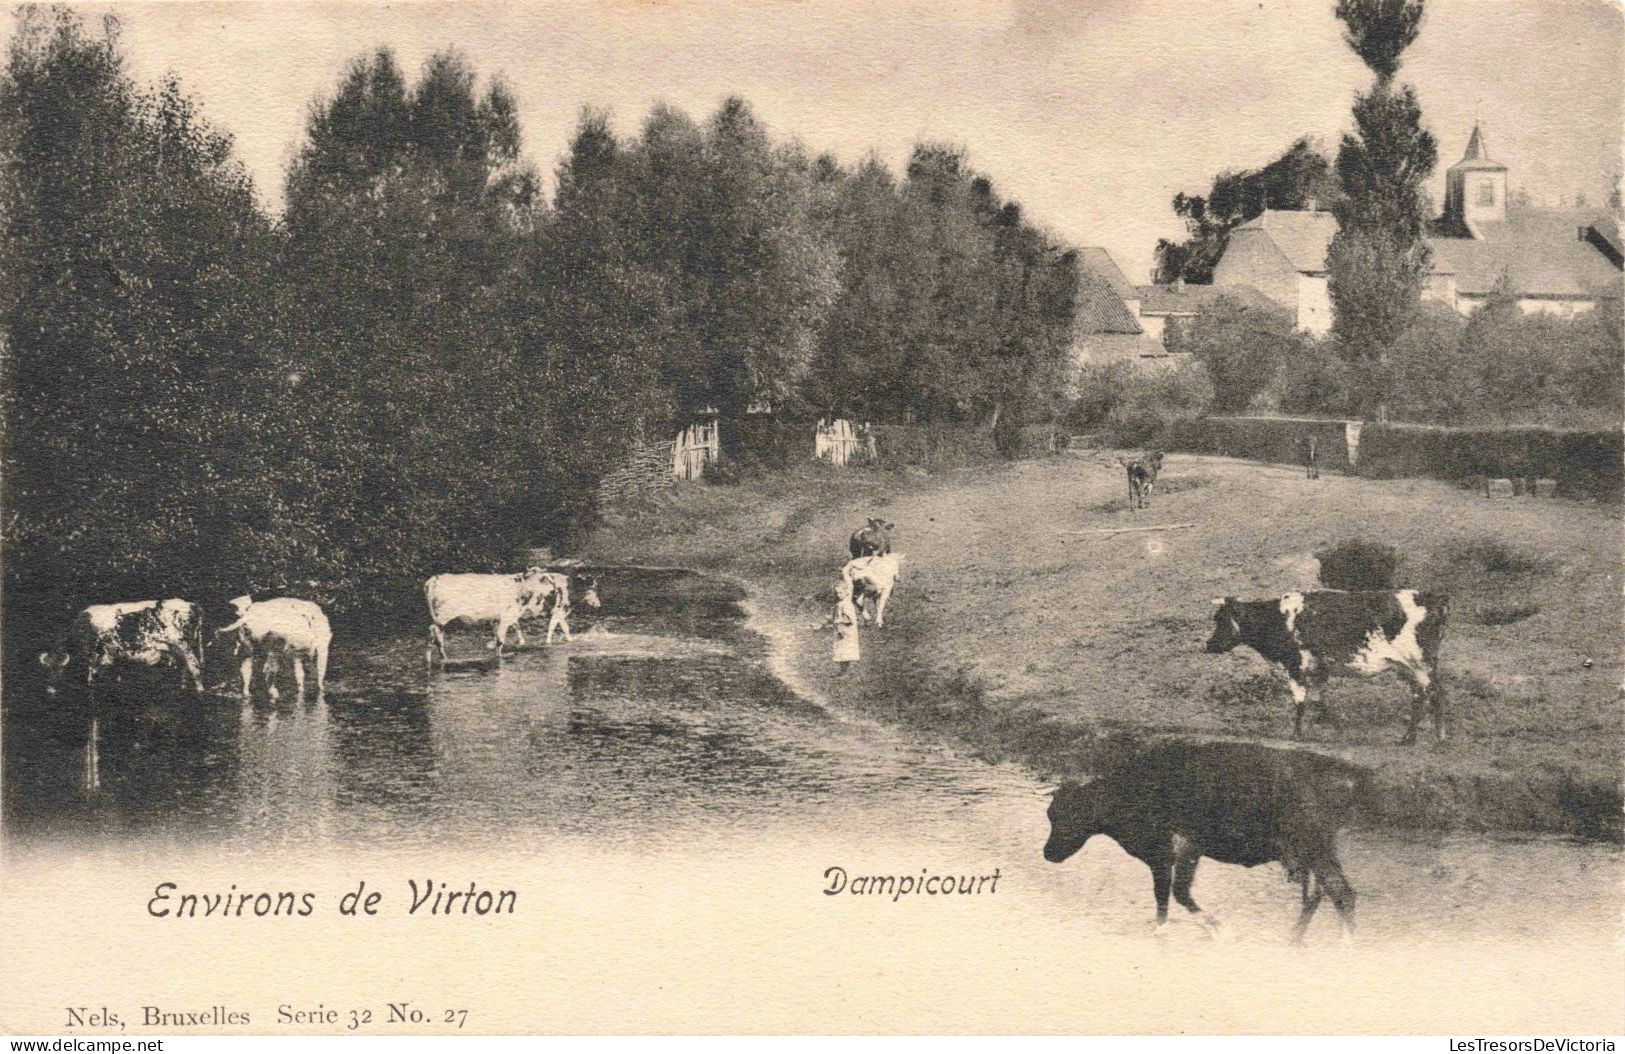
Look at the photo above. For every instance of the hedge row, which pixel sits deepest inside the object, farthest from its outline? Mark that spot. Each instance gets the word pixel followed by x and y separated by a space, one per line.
pixel 1587 464
pixel 1276 439
pixel 778 442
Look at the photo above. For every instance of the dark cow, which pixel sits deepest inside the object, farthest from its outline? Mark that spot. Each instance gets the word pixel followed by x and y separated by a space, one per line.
pixel 873 540
pixel 1237 803
pixel 1316 635
pixel 141 633
pixel 1142 477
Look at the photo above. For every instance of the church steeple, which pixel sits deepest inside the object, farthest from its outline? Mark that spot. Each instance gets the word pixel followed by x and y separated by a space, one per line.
pixel 1475 145
pixel 1475 189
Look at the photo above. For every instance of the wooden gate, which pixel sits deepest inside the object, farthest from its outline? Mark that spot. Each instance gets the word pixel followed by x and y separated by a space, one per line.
pixel 838 442
pixel 695 447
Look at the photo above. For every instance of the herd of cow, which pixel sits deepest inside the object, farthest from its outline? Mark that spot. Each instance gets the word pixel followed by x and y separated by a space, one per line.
pixel 1169 807
pixel 267 632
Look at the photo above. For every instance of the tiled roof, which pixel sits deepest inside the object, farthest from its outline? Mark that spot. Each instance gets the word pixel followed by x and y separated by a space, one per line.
pixel 1539 250
pixel 1101 263
pixel 1100 309
pixel 1302 237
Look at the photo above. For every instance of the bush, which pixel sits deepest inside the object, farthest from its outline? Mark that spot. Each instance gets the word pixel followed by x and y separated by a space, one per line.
pixel 1131 405
pixel 1275 439
pixel 1243 346
pixel 1359 563
pixel 1584 464
pixel 1314 380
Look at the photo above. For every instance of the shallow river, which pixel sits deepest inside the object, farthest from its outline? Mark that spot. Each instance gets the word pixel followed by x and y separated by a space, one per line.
pixel 658 736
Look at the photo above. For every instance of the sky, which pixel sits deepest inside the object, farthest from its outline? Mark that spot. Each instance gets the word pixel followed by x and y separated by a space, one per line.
pixel 1091 113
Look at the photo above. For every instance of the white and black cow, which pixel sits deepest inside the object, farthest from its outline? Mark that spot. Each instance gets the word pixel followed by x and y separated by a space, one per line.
pixel 141 633
pixel 1316 635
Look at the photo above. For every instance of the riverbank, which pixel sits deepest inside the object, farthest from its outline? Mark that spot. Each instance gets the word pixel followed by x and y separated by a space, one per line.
pixel 1020 632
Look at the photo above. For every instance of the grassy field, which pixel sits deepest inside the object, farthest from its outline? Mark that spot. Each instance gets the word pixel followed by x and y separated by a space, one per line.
pixel 1021 633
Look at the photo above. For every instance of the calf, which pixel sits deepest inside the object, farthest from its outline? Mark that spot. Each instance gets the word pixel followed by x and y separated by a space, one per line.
pixel 1316 635
pixel 267 630
pixel 1237 803
pixel 872 540
pixel 142 633
pixel 871 580
pixel 1142 477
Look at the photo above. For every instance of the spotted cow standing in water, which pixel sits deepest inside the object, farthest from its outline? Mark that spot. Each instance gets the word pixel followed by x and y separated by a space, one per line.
pixel 1316 635
pixel 141 633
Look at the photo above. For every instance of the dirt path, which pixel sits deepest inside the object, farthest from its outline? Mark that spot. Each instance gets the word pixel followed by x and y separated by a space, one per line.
pixel 1021 632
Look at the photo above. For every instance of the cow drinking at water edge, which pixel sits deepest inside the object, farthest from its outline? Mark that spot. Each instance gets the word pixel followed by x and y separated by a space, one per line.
pixel 139 633
pixel 1316 635
pixel 1237 803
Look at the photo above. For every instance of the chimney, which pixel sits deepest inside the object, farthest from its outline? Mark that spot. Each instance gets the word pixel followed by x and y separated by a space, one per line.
pixel 1179 284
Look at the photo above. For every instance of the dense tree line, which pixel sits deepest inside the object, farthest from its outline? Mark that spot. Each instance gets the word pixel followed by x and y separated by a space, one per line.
pixel 424 362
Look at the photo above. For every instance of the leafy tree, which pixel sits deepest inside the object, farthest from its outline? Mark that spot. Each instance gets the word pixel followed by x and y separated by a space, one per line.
pixel 1299 176
pixel 1379 31
pixel 406 212
pixel 1242 345
pixel 1378 260
pixel 137 376
pixel 1431 376
pixel 725 220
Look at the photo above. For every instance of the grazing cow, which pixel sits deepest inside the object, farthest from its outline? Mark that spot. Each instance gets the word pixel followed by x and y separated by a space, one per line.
pixel 1311 456
pixel 1142 477
pixel 559 611
pixel 871 580
pixel 267 630
pixel 1237 803
pixel 1318 634
pixel 873 540
pixel 143 633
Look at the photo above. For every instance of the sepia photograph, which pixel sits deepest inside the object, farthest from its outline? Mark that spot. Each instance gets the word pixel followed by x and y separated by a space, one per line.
pixel 990 517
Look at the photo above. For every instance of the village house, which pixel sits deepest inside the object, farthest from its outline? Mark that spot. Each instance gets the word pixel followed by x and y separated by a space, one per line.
pixel 1107 326
pixel 1557 261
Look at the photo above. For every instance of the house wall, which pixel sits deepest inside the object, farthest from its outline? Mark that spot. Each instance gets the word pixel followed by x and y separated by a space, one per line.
pixel 1153 326
pixel 1314 306
pixel 1470 302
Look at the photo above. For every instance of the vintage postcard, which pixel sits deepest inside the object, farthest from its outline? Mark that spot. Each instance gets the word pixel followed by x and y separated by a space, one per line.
pixel 972 517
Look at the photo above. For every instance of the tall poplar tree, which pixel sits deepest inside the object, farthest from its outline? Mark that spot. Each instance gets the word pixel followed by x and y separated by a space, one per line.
pixel 1379 260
